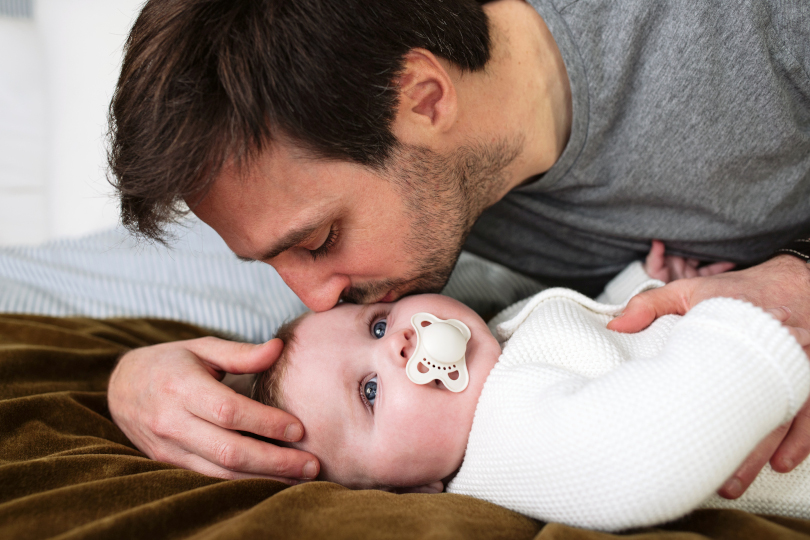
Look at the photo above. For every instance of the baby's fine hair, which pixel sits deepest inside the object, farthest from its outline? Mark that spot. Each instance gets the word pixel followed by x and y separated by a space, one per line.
pixel 267 384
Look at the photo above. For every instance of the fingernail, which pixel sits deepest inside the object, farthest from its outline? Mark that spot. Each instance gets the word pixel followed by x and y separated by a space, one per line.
pixel 733 488
pixel 293 432
pixel 787 464
pixel 310 470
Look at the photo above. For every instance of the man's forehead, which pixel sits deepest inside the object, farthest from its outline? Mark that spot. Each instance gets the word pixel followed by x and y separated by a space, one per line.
pixel 280 169
pixel 260 219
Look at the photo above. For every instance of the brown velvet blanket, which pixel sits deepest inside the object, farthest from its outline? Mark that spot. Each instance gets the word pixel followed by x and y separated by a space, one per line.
pixel 67 471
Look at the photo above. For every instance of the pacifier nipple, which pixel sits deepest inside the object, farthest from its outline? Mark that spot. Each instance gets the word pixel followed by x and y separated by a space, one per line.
pixel 440 349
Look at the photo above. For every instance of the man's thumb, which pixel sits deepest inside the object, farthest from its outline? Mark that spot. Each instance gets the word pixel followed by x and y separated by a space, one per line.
pixel 234 357
pixel 644 308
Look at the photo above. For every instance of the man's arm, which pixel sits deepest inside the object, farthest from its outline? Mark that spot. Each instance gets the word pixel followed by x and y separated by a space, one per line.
pixel 169 401
pixel 782 286
pixel 781 282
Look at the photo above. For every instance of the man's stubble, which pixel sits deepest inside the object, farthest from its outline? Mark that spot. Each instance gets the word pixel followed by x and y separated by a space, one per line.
pixel 444 196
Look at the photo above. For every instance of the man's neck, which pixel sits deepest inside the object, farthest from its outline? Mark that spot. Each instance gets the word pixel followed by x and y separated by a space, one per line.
pixel 523 94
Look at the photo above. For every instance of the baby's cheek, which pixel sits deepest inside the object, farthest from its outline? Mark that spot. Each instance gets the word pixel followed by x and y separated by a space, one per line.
pixel 441 448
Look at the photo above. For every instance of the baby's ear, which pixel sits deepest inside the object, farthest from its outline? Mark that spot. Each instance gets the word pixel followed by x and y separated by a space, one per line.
pixel 434 487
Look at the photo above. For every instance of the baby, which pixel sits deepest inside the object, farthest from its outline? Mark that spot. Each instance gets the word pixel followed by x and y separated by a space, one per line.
pixel 547 412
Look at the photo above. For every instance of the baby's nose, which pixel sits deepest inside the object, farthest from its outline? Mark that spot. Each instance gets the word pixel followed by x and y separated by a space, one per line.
pixel 404 345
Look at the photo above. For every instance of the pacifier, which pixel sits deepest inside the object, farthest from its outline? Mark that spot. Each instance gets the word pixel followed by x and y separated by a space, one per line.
pixel 439 354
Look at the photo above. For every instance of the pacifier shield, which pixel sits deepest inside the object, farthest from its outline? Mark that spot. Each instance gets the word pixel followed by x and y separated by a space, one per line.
pixel 441 346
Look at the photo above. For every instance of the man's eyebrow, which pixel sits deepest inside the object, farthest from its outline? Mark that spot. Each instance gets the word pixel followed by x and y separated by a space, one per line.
pixel 289 240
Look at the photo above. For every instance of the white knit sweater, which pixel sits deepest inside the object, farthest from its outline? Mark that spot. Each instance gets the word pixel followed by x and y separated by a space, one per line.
pixel 592 428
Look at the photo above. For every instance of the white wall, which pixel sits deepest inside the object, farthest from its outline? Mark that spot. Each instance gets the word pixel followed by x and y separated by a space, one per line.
pixel 57 74
pixel 23 217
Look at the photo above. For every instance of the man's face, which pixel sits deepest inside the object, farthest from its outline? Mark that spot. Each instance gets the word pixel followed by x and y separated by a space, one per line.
pixel 337 230
pixel 365 420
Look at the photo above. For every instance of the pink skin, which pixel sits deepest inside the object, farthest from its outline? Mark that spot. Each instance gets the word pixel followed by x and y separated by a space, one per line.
pixel 668 268
pixel 413 435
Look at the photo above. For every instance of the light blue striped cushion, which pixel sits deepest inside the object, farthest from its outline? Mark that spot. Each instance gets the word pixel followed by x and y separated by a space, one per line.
pixel 22 9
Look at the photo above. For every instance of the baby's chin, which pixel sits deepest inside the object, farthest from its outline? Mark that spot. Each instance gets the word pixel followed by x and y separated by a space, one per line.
pixel 390 481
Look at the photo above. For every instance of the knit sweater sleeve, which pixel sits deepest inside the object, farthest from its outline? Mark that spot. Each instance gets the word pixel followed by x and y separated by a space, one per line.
pixel 629 282
pixel 644 443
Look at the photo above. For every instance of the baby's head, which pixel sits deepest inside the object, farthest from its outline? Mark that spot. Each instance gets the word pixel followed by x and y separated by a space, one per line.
pixel 342 374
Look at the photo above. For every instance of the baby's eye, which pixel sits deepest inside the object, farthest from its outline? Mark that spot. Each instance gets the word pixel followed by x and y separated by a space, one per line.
pixel 370 390
pixel 378 330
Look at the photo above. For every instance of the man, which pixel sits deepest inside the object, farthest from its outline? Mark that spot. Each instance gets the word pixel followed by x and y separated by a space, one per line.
pixel 356 146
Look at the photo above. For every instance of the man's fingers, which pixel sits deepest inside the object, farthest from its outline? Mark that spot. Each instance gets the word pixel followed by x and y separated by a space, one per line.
pixel 796 445
pixel 655 258
pixel 234 357
pixel 644 308
pixel 637 315
pixel 239 453
pixel 168 401
pixel 655 263
pixel 781 314
pixel 690 269
pixel 677 267
pixel 230 410
pixel 748 471
pixel 715 268
pixel 801 335
pixel 200 465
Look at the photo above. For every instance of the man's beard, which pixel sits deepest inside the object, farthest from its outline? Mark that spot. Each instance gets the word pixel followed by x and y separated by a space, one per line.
pixel 443 195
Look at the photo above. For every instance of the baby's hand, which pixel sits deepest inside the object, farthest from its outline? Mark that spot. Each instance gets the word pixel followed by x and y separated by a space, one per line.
pixel 669 267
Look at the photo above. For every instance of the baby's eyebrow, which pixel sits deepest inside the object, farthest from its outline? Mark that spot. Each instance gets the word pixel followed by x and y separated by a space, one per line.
pixel 360 319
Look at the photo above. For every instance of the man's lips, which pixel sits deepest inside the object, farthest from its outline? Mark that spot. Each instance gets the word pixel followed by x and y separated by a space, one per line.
pixel 389 297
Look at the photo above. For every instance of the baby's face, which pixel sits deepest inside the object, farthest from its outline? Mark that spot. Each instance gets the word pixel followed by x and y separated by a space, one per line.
pixel 366 421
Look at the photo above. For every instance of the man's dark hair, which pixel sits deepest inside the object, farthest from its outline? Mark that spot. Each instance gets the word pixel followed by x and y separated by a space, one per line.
pixel 205 81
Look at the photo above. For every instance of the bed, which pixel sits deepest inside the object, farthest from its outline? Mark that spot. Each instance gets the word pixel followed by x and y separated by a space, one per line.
pixel 69 309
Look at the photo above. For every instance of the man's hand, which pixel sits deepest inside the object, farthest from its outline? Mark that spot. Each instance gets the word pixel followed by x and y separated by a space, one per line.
pixel 781 286
pixel 169 402
pixel 782 282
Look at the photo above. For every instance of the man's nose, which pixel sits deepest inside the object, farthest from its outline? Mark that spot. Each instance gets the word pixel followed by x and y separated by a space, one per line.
pixel 401 347
pixel 319 291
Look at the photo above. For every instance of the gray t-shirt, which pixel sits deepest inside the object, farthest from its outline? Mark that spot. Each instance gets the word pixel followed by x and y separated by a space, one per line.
pixel 691 124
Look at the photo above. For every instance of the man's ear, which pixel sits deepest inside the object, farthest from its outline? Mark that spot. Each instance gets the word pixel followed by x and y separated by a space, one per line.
pixel 428 103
